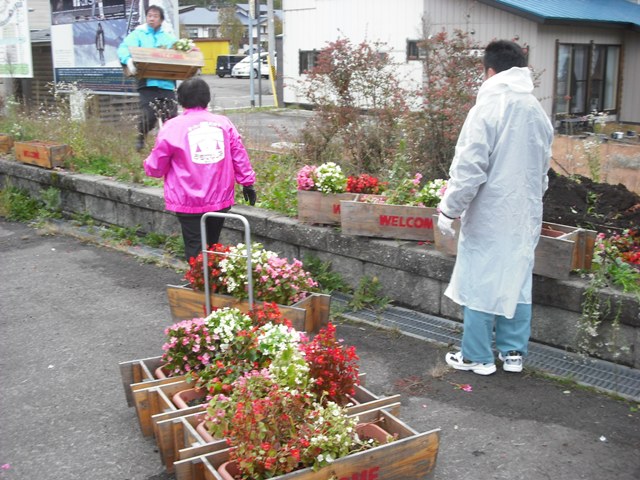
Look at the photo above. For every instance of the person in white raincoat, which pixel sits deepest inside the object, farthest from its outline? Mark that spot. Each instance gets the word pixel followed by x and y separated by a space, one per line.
pixel 498 178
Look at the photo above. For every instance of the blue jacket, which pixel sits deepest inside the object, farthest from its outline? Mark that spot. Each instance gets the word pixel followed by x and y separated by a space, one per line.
pixel 147 37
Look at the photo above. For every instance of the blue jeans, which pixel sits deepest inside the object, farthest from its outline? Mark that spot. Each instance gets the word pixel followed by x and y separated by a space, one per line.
pixel 511 333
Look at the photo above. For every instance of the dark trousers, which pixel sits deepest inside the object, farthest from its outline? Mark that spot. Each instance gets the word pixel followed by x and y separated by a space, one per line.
pixel 155 102
pixel 190 224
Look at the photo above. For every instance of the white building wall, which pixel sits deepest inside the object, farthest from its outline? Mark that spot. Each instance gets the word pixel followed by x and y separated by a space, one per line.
pixel 39 14
pixel 488 23
pixel 311 24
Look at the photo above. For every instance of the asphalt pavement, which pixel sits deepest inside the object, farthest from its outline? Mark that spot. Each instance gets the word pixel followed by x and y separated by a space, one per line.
pixel 70 311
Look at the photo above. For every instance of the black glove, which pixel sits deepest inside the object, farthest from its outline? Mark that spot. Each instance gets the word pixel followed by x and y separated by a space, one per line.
pixel 249 194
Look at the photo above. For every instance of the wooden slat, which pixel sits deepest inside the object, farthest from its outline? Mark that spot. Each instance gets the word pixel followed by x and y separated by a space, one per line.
pixel 316 207
pixel 561 248
pixel 186 303
pixel 398 222
pixel 42 153
pixel 166 63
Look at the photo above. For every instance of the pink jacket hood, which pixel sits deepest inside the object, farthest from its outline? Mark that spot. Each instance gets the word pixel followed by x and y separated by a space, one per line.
pixel 201 157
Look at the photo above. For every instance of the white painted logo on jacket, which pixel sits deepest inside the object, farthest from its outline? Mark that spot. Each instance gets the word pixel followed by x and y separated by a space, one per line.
pixel 206 143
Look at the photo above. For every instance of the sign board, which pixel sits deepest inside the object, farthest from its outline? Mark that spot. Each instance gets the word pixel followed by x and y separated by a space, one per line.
pixel 15 40
pixel 85 35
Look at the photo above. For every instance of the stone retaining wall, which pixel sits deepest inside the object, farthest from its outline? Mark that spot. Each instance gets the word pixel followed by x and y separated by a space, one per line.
pixel 413 275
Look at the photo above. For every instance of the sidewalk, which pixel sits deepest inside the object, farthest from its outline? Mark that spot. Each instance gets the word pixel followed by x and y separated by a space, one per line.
pixel 71 311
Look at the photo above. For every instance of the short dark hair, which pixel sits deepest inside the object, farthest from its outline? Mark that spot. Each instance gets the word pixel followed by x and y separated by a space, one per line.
pixel 157 9
pixel 502 55
pixel 193 93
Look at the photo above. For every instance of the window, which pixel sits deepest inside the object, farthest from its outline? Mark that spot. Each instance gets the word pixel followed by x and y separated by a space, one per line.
pixel 587 78
pixel 192 32
pixel 307 60
pixel 413 51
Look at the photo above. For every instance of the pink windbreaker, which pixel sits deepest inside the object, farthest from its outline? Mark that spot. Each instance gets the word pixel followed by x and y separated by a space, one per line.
pixel 201 157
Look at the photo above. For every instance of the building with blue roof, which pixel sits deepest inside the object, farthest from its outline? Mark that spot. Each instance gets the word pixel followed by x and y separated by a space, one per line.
pixel 586 53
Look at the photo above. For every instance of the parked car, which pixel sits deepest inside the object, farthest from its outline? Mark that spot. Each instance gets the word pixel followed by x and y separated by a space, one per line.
pixel 225 63
pixel 243 67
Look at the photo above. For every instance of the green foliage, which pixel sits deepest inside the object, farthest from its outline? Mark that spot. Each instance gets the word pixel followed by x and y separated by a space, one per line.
pixel 123 235
pixel 18 205
pixel 328 280
pixel 368 295
pixel 276 184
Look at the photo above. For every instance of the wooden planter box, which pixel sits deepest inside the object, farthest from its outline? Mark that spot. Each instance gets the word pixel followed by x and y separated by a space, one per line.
pixel 561 248
pixel 387 221
pixel 309 314
pixel 41 153
pixel 413 455
pixel 178 439
pixel 165 63
pixel 6 143
pixel 316 207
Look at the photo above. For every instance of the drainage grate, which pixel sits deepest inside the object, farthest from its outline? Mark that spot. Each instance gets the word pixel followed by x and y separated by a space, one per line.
pixel 605 376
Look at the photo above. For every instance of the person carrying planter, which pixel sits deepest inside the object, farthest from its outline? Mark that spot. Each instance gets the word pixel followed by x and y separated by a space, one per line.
pixel 498 178
pixel 201 157
pixel 157 96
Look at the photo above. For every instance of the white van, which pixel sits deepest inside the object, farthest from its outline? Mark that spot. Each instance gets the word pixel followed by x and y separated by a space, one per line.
pixel 243 67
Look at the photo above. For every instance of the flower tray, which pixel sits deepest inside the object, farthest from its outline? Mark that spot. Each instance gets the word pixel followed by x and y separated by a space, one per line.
pixel 6 143
pixel 399 222
pixel 561 248
pixel 42 154
pixel 412 455
pixel 317 207
pixel 175 429
pixel 165 63
pixel 309 314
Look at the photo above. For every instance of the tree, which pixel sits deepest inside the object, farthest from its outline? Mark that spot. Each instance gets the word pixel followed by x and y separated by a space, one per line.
pixel 230 27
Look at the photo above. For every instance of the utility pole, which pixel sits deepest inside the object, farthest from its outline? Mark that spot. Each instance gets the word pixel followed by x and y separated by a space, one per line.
pixel 271 32
pixel 252 16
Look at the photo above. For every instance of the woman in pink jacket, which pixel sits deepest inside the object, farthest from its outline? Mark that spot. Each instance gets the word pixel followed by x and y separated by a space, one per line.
pixel 201 157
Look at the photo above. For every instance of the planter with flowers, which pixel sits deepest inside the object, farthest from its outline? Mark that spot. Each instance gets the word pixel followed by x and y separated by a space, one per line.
pixel 403 213
pixel 322 188
pixel 182 61
pixel 219 350
pixel 409 455
pixel 274 280
pixel 560 250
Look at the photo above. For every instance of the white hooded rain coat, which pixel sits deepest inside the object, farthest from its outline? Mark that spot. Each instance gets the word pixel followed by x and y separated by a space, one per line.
pixel 498 178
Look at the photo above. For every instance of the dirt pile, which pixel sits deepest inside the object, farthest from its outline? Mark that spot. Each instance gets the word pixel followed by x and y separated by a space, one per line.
pixel 581 202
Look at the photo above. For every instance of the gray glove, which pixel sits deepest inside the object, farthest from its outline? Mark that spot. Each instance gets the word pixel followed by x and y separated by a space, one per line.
pixel 132 67
pixel 249 194
pixel 445 224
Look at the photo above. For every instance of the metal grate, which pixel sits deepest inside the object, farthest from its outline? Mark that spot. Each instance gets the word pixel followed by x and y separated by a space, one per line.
pixel 602 375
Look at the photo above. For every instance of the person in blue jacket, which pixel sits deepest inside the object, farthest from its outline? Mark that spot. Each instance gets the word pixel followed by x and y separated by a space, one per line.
pixel 157 96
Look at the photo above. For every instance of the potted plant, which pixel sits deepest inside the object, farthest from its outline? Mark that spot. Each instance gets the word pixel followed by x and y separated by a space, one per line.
pixel 320 190
pixel 273 430
pixel 403 212
pixel 275 279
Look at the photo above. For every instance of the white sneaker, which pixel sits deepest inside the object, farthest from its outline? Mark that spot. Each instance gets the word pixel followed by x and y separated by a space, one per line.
pixel 512 361
pixel 459 363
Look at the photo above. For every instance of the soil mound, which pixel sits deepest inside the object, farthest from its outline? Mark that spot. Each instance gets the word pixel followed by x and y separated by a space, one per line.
pixel 581 202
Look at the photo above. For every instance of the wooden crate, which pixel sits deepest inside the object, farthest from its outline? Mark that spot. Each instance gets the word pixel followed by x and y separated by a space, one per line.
pixel 309 314
pixel 399 222
pixel 6 143
pixel 316 207
pixel 412 455
pixel 165 63
pixel 561 248
pixel 177 437
pixel 42 153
